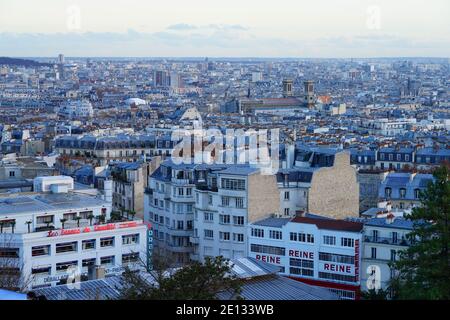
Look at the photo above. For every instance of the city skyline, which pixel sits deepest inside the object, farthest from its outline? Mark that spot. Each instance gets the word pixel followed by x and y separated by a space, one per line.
pixel 346 29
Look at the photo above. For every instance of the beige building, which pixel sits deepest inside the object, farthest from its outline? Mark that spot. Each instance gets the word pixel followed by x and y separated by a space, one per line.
pixel 129 182
pixel 322 183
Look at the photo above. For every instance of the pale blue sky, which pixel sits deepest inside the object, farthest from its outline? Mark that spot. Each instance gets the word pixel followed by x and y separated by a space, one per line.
pixel 266 28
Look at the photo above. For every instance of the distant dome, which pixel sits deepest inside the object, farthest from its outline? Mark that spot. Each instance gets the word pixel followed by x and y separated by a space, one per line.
pixel 135 101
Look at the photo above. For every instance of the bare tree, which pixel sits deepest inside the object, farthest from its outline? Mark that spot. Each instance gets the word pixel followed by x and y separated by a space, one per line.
pixel 12 275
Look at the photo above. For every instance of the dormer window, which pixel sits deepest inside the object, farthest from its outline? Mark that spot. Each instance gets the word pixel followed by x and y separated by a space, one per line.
pixel 387 192
pixel 417 193
pixel 402 192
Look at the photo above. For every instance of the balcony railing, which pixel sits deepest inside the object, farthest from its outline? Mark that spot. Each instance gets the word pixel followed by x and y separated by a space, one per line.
pixel 385 240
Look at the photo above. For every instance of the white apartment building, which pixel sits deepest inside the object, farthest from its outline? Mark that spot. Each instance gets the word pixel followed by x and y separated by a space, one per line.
pixel 77 109
pixel 312 249
pixel 48 237
pixel 202 210
pixel 230 200
pixel 383 238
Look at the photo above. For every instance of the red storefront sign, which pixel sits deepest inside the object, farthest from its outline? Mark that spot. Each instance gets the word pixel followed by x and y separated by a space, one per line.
pixel 103 227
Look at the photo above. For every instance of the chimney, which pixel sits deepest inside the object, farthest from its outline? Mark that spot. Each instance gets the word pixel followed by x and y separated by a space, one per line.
pixel 300 213
pixel 390 218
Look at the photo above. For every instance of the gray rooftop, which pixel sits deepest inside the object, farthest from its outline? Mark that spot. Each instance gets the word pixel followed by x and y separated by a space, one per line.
pixel 43 202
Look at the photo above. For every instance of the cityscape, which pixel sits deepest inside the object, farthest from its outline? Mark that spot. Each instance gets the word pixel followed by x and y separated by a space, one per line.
pixel 212 176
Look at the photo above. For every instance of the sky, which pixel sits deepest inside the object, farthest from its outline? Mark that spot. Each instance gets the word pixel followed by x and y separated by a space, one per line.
pixel 232 28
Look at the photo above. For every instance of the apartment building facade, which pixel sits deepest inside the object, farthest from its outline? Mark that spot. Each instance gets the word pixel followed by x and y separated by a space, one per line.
pixel 312 249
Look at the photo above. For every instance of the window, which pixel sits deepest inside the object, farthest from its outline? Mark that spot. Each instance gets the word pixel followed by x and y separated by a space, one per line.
pixel 278 251
pixel 407 157
pixel 239 202
pixel 402 192
pixel 303 237
pixel 42 270
pixel 224 219
pixel 301 271
pixel 210 200
pixel 44 219
pixel 208 217
pixel 88 262
pixel 337 258
pixel 130 258
pixel 399 157
pixel 69 216
pixel 394 237
pixel 12 173
pixel 387 192
pixel 347 242
pixel 293 236
pixel 238 237
pixel 391 157
pixel 286 211
pixel 88 244
pixel 417 193
pixel 329 240
pixel 63 266
pixel 130 239
pixel 85 214
pixel 189 208
pixel 233 184
pixel 224 236
pixel 66 247
pixel 189 191
pixel 274 234
pixel 373 253
pixel 381 156
pixel 301 267
pixel 259 233
pixel 225 201
pixel 238 220
pixel 286 195
pixel 209 234
pixel 180 225
pixel 109 260
pixel 393 255
pixel 337 277
pixel 107 242
pixel 10 252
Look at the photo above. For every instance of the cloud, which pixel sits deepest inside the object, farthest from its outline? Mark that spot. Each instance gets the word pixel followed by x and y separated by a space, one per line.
pixel 181 26
pixel 207 27
pixel 184 40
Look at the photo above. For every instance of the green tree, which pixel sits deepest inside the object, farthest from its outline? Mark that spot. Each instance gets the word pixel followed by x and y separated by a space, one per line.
pixel 196 281
pixel 374 294
pixel 423 270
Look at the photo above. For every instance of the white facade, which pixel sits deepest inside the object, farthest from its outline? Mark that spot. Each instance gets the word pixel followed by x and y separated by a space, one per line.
pixel 383 239
pixel 318 251
pixel 221 218
pixel 35 242
pixel 77 109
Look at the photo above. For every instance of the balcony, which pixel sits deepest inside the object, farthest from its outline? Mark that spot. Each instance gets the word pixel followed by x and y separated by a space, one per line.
pixel 181 249
pixel 390 241
pixel 179 232
pixel 194 240
pixel 181 182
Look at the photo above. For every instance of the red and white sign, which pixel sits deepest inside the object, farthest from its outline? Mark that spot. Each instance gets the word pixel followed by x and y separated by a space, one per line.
pixel 301 254
pixel 103 227
pixel 336 268
pixel 268 259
